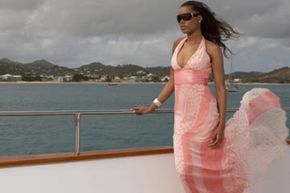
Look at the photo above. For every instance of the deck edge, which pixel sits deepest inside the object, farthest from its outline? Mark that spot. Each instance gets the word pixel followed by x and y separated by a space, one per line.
pixel 71 157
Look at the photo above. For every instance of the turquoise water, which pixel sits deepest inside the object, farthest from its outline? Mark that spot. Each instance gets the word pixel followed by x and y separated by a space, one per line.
pixel 31 135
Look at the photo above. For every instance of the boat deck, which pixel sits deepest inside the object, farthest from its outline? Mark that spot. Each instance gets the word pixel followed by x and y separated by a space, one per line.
pixel 130 174
pixel 131 171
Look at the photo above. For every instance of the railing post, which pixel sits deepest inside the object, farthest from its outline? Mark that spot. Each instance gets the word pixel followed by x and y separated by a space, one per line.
pixel 77 133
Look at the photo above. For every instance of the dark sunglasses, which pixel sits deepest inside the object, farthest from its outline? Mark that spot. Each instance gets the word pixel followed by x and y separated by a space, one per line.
pixel 186 16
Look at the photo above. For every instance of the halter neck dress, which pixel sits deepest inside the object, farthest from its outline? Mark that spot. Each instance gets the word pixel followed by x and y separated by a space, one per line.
pixel 254 137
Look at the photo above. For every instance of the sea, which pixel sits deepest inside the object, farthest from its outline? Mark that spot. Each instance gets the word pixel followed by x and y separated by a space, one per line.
pixel 29 135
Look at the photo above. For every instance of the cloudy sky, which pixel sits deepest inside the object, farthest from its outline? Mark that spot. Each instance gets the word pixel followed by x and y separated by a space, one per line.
pixel 72 33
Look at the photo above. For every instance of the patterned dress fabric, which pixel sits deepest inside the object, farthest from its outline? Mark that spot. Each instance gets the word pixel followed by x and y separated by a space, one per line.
pixel 254 137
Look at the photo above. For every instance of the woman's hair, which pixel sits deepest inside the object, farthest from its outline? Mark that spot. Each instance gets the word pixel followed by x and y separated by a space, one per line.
pixel 212 29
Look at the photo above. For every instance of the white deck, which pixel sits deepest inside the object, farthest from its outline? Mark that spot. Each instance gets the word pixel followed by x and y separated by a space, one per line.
pixel 142 174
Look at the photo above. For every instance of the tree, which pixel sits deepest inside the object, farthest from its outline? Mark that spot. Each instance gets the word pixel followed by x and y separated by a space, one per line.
pixel 77 77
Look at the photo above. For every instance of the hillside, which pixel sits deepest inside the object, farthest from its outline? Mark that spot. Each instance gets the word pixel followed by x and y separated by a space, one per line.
pixel 45 68
pixel 97 69
pixel 243 75
pixel 36 68
pixel 10 67
pixel 101 69
pixel 281 75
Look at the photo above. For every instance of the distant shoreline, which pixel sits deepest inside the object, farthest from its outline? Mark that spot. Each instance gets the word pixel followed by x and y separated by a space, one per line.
pixel 261 83
pixel 123 83
pixel 81 82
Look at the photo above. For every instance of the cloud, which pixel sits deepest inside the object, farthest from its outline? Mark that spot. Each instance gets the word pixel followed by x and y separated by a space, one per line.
pixel 103 17
pixel 72 32
pixel 258 54
pixel 258 18
pixel 23 5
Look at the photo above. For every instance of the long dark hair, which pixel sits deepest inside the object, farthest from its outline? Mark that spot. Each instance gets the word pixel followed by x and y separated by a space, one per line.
pixel 212 28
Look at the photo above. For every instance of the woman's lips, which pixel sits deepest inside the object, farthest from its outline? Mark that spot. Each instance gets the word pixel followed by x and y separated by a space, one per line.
pixel 182 27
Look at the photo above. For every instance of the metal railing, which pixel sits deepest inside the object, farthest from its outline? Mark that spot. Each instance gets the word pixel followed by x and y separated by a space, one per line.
pixel 77 117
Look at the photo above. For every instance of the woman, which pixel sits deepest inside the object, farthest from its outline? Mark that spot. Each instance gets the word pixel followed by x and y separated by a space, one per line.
pixel 208 157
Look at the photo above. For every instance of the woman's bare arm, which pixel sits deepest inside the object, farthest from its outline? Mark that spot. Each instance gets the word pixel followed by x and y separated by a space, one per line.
pixel 218 72
pixel 164 94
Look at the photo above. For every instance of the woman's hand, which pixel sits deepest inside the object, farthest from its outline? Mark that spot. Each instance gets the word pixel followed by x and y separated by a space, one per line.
pixel 141 110
pixel 217 135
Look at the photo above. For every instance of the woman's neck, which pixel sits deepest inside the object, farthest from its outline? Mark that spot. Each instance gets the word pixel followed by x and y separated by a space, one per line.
pixel 195 37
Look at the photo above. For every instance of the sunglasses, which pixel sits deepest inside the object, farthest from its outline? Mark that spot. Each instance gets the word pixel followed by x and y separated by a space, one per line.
pixel 186 16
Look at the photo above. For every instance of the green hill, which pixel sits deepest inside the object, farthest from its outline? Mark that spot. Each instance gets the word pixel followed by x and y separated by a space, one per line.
pixel 43 67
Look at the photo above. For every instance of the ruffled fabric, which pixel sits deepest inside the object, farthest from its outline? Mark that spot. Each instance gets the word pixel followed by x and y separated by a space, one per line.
pixel 254 137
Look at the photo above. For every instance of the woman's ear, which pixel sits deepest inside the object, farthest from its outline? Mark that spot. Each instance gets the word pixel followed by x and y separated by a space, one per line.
pixel 199 19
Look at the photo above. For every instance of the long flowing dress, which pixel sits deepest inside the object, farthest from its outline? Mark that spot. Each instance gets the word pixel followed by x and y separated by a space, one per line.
pixel 254 137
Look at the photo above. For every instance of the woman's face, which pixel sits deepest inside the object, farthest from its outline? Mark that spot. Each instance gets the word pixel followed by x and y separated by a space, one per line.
pixel 188 20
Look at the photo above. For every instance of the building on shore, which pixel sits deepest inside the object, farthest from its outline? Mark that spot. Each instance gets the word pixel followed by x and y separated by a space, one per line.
pixel 10 77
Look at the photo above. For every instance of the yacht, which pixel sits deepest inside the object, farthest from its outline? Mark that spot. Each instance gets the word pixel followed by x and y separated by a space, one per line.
pixel 142 170
pixel 230 85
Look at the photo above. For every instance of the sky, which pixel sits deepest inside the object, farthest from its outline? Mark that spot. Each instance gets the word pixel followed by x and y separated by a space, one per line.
pixel 72 33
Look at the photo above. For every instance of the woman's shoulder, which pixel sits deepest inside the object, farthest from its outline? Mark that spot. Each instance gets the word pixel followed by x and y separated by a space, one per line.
pixel 176 42
pixel 211 47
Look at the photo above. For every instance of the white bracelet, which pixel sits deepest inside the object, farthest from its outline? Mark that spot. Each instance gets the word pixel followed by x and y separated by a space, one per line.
pixel 157 102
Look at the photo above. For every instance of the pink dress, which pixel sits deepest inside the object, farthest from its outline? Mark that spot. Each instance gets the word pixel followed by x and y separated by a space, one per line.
pixel 254 137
